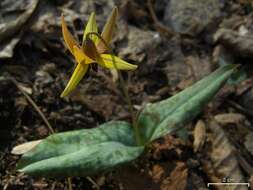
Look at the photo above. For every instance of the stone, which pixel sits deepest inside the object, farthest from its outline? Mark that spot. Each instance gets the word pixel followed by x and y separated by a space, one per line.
pixel 192 16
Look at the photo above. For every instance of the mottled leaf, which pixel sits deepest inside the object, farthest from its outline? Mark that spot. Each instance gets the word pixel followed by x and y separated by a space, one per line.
pixel 87 160
pixel 74 144
pixel 171 114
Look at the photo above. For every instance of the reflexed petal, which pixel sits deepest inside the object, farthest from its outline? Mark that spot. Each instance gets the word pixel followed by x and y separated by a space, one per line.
pixel 77 75
pixel 91 27
pixel 68 37
pixel 108 30
pixel 112 62
pixel 80 56
pixel 90 50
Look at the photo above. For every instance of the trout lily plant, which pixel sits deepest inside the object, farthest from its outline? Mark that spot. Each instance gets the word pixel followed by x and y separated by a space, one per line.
pixel 89 151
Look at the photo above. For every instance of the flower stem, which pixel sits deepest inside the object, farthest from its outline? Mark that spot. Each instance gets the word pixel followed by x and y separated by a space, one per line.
pixel 125 91
pixel 131 108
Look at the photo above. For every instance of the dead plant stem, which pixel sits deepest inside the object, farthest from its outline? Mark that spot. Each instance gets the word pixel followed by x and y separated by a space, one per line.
pixel 34 105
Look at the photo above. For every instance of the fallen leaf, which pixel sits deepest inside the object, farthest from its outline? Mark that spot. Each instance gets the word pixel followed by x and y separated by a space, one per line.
pixel 229 118
pixel 177 179
pixel 157 172
pixel 249 143
pixel 241 44
pixel 221 161
pixel 199 135
pixel 12 24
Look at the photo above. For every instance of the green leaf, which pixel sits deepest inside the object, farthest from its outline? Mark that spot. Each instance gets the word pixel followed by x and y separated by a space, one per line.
pixel 88 160
pixel 65 149
pixel 164 117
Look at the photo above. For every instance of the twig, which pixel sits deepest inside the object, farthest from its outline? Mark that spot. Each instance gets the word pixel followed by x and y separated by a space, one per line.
pixel 70 184
pixel 93 182
pixel 239 107
pixel 161 28
pixel 30 100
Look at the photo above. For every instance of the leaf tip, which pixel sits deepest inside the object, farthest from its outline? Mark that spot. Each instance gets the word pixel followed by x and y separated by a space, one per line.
pixel 115 10
pixel 25 147
pixel 64 94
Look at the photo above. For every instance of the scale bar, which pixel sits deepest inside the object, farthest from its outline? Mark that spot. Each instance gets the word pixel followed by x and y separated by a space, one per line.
pixel 209 184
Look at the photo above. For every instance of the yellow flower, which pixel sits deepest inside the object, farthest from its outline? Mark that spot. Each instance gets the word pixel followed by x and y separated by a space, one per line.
pixel 92 50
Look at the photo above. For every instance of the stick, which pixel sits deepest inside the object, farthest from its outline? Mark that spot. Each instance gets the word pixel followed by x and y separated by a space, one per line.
pixel 30 100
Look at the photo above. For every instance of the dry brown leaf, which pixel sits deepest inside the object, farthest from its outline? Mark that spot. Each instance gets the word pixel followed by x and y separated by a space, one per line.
pixel 241 44
pixel 199 136
pixel 229 118
pixel 177 179
pixel 21 102
pixel 221 161
pixel 200 67
pixel 6 48
pixel 244 86
pixel 157 172
pixel 249 142
pixel 12 24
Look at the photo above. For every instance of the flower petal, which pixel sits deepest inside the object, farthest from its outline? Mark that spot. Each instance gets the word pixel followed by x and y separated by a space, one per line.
pixel 77 75
pixel 67 36
pixel 113 62
pixel 91 27
pixel 90 50
pixel 80 56
pixel 108 31
pixel 79 71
